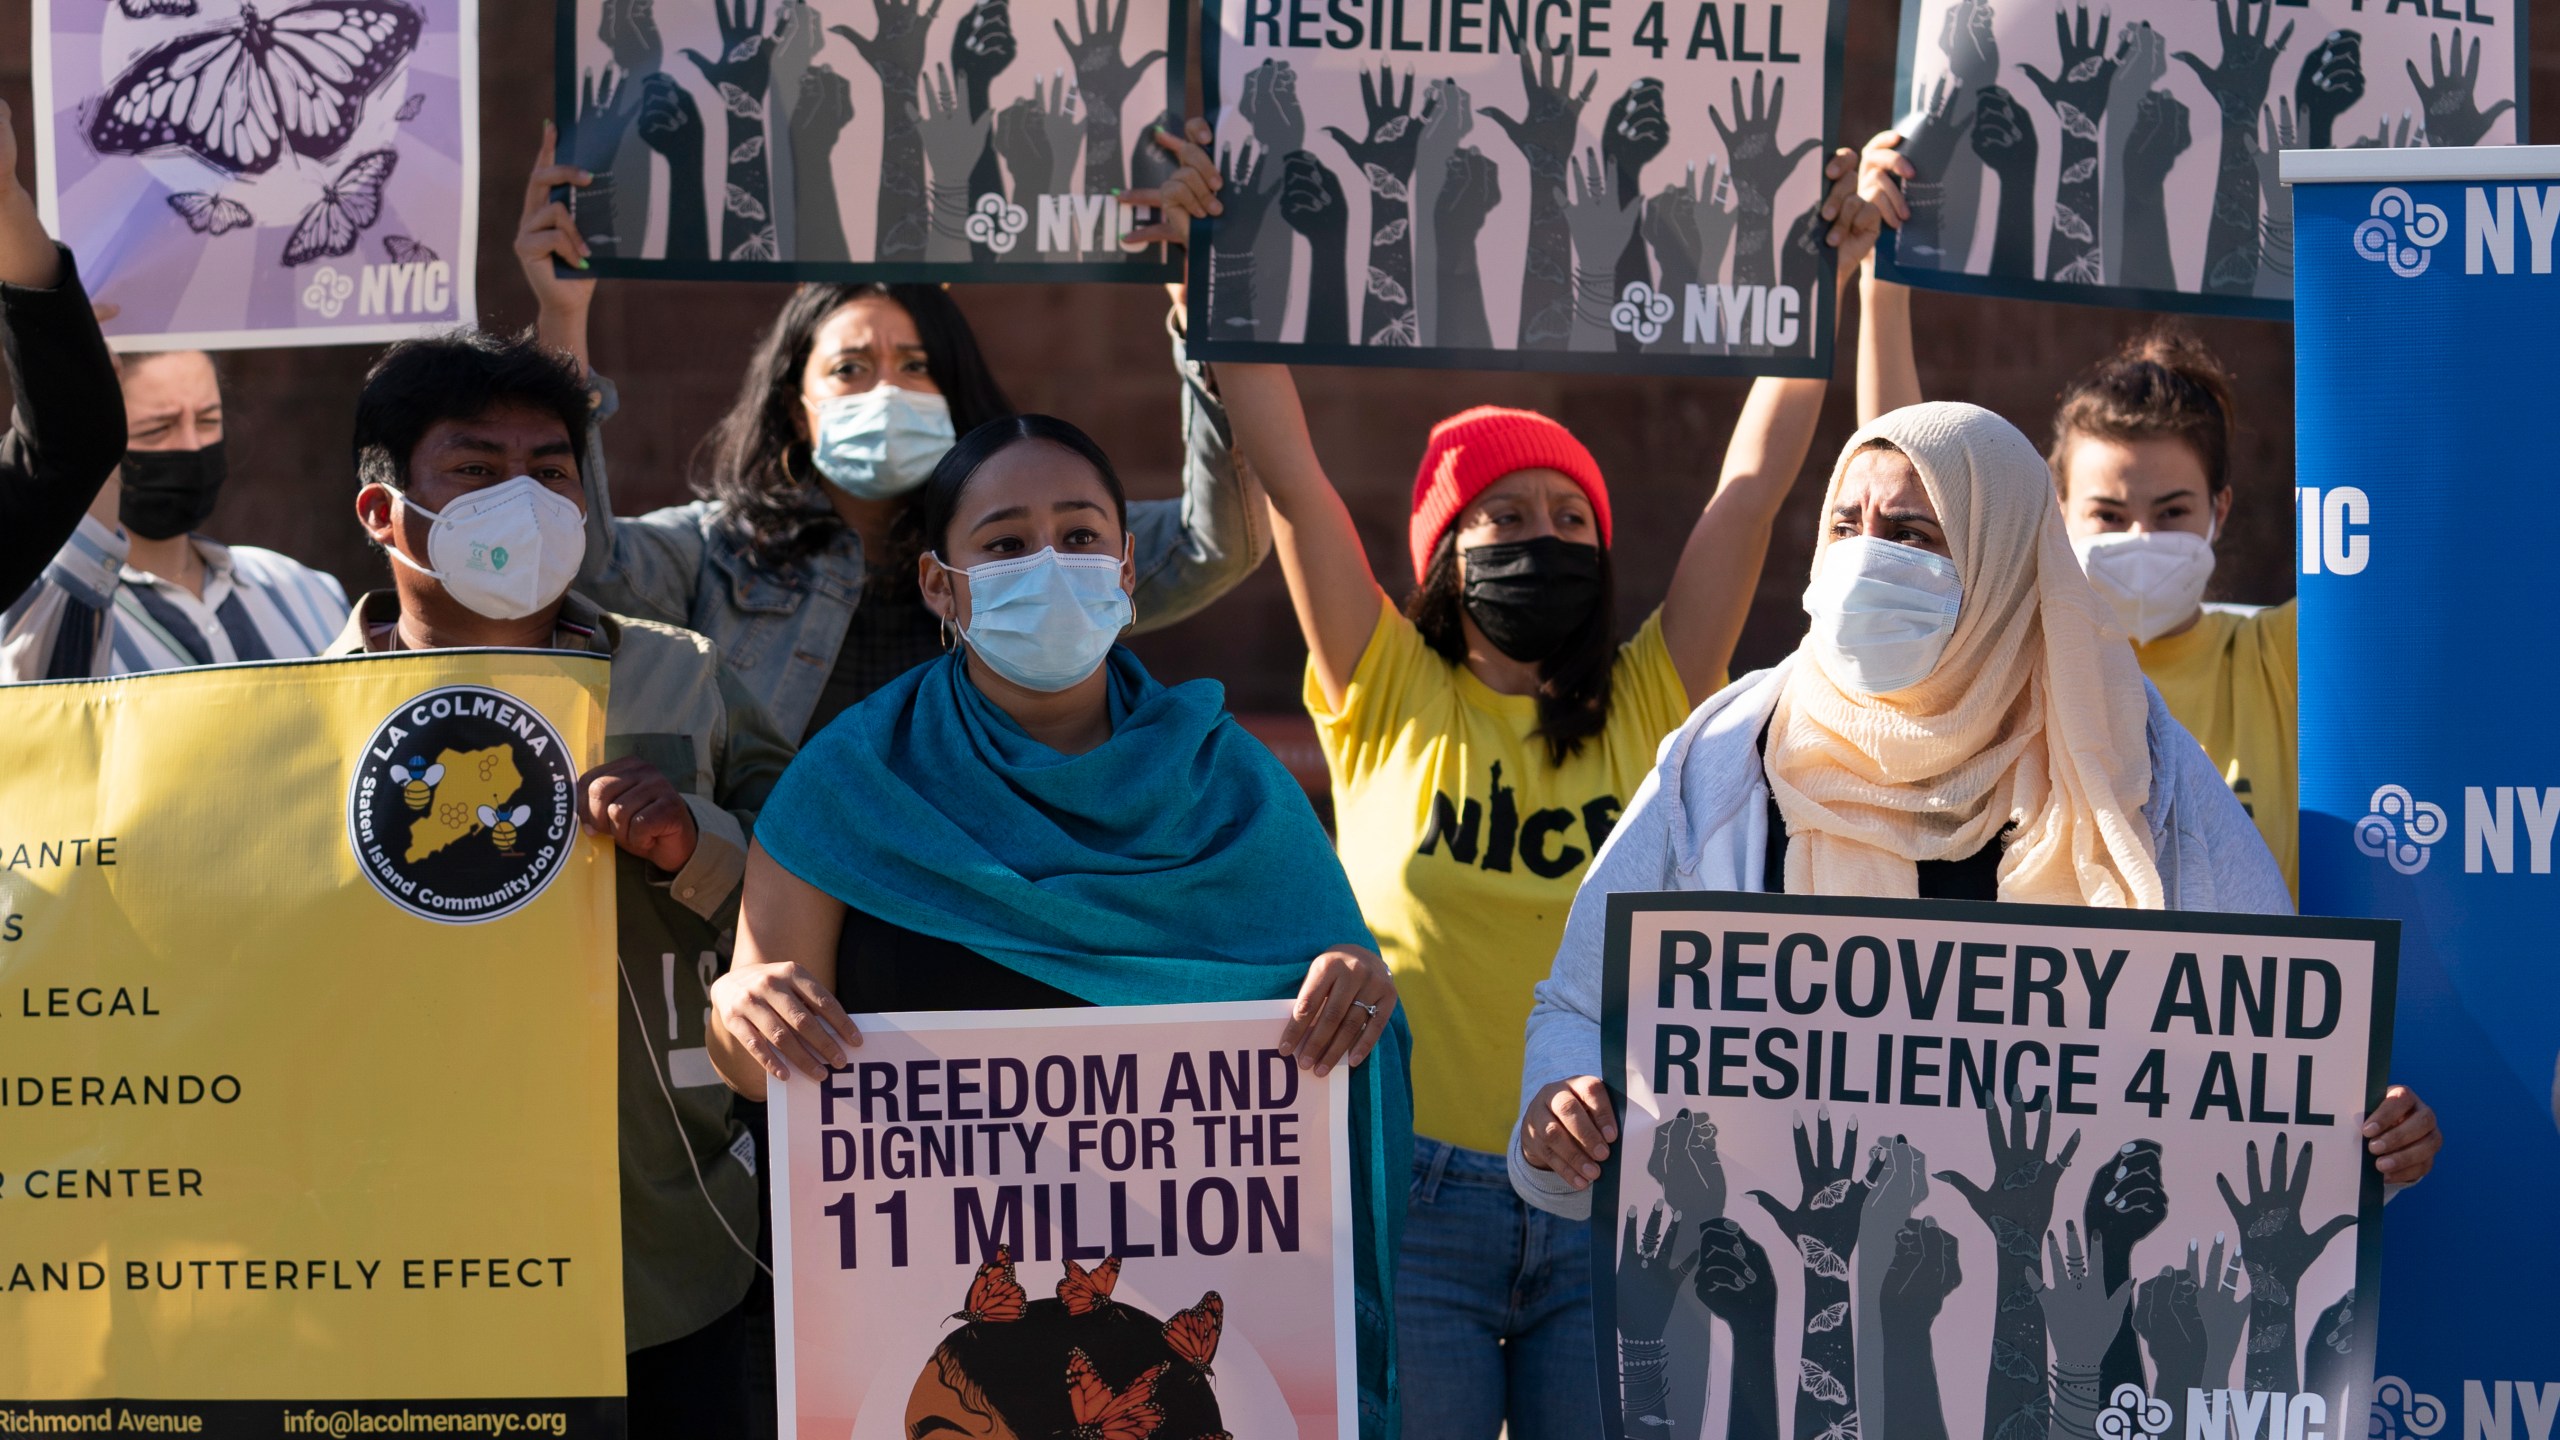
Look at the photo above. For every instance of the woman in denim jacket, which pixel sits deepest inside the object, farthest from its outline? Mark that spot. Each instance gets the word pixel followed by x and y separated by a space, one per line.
pixel 800 559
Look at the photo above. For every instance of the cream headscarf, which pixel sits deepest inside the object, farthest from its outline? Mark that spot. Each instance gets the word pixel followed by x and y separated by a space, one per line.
pixel 2034 718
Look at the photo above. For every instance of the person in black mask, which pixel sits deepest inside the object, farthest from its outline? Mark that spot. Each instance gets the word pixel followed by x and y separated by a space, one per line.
pixel 136 588
pixel 1483 737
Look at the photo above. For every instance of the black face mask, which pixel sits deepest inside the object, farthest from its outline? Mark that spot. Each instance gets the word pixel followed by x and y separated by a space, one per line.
pixel 169 492
pixel 1531 596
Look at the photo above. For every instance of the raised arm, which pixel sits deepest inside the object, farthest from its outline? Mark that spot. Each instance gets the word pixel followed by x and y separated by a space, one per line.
pixel 1719 569
pixel 1888 367
pixel 1335 592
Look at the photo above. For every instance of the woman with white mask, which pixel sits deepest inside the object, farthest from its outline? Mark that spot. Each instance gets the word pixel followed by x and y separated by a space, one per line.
pixel 1956 725
pixel 2141 454
pixel 798 558
pixel 1033 822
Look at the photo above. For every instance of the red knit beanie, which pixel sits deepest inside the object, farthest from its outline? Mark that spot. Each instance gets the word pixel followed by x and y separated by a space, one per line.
pixel 1474 448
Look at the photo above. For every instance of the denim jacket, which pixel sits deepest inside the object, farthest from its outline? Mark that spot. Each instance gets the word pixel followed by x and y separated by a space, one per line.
pixel 779 632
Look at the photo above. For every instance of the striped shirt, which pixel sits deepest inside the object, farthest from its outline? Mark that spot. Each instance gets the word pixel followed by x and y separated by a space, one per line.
pixel 92 614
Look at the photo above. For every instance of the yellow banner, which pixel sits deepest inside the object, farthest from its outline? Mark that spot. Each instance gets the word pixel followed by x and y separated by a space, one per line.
pixel 307 1052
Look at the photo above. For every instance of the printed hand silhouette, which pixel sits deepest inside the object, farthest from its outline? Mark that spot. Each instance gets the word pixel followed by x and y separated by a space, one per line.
pixel 2083 1314
pixel 1270 105
pixel 2005 138
pixel 1472 190
pixel 895 48
pixel 1393 136
pixel 1897 1181
pixel 1689 225
pixel 746 52
pixel 629 30
pixel 1823 1223
pixel 1737 1286
pixel 1636 132
pixel 982 45
pixel 2238 81
pixel 2277 1250
pixel 2331 82
pixel 1103 77
pixel 1650 1274
pixel 1312 203
pixel 2451 99
pixel 1544 134
pixel 1601 226
pixel 2086 79
pixel 2160 136
pixel 2016 1202
pixel 1921 1275
pixel 1758 166
pixel 1684 1163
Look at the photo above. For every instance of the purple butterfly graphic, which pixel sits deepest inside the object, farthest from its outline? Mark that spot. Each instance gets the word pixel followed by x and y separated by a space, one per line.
pixel 240 95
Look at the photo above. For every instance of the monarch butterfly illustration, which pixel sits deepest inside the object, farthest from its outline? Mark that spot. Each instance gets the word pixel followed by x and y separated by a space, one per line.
pixel 211 214
pixel 995 1294
pixel 1083 1291
pixel 1103 1413
pixel 403 250
pixel 347 208
pixel 243 93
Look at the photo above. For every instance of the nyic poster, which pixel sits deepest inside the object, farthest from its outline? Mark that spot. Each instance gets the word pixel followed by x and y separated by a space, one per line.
pixel 239 173
pixel 307 1052
pixel 2125 154
pixel 868 139
pixel 1961 1169
pixel 2435 806
pixel 1132 1222
pixel 1520 184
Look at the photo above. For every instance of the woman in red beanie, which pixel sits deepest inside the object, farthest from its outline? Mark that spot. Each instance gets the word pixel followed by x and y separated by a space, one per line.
pixel 1483 737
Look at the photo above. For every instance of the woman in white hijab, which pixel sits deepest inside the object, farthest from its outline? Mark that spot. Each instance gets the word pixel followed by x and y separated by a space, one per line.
pixel 1963 721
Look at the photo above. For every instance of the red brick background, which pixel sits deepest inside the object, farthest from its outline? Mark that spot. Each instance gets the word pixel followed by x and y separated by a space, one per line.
pixel 1096 354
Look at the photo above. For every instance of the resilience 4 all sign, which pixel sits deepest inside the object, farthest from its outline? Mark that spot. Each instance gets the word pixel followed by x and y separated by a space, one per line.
pixel 285 948
pixel 1943 1168
pixel 1520 184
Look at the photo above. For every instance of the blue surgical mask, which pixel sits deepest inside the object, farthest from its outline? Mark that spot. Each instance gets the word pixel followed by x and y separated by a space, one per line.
pixel 881 442
pixel 1045 621
pixel 1882 613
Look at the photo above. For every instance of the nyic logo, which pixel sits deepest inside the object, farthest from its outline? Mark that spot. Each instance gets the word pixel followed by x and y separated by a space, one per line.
pixel 2401 828
pixel 2133 1413
pixel 2400 1413
pixel 2402 233
pixel 1642 312
pixel 460 809
pixel 327 292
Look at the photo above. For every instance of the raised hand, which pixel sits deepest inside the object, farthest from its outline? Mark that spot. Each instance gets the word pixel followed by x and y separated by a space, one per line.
pixel 2016 1202
pixel 1270 106
pixel 953 141
pixel 2277 1250
pixel 2275 228
pixel 2238 83
pixel 1921 177
pixel 2142 61
pixel 1544 134
pixel 1636 131
pixel 1104 80
pixel 1650 1275
pixel 1685 1165
pixel 1392 137
pixel 2083 1315
pixel 1601 228
pixel 1823 1223
pixel 607 106
pixel 1736 1284
pixel 1917 1281
pixel 1470 188
pixel 2331 82
pixel 2128 1198
pixel 629 30
pixel 1312 203
pixel 2160 135
pixel 894 50
pixel 2334 1346
pixel 1688 225
pixel 745 62
pixel 2005 138
pixel 1448 114
pixel 2451 99
pixel 1022 142
pixel 1252 182
pixel 796 43
pixel 2078 95
pixel 1385 158
pixel 2226 1313
pixel 1759 169
pixel 825 107
pixel 2385 138
pixel 1897 1181
pixel 741 73
pixel 671 125
pixel 2168 1313
pixel 1972 47
pixel 2086 77
pixel 1969 40
pixel 982 46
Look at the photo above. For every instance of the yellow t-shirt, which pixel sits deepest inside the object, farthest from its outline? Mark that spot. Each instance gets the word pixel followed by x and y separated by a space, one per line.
pixel 1464 843
pixel 2232 682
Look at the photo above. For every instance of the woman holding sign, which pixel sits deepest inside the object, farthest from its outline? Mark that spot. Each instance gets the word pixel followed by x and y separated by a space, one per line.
pixel 1033 822
pixel 1483 737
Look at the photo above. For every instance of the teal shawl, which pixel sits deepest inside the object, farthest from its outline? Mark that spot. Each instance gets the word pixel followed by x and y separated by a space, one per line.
pixel 1175 863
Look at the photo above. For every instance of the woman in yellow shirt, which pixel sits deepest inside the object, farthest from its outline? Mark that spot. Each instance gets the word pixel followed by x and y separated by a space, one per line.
pixel 1483 738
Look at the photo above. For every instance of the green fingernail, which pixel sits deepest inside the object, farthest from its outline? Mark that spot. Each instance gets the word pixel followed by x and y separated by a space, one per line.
pixel 580 263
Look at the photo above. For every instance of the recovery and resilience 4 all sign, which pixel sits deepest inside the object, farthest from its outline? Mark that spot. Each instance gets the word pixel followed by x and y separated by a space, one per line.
pixel 307 1104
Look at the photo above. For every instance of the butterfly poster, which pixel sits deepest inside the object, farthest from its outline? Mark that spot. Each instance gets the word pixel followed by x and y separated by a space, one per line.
pixel 242 173
pixel 925 140
pixel 2125 153
pixel 1125 1224
pixel 1899 1168
pixel 1502 185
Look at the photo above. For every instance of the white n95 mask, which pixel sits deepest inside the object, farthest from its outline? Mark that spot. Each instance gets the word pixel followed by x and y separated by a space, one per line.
pixel 1045 621
pixel 2153 579
pixel 881 442
pixel 1882 613
pixel 504 552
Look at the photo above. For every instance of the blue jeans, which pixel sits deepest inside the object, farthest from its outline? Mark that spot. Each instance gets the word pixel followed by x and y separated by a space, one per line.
pixel 1493 1308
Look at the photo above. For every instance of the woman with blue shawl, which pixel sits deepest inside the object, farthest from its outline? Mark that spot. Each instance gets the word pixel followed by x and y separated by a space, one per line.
pixel 1034 822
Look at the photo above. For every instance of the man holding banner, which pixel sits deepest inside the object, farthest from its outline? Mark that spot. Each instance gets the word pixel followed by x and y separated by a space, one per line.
pixel 468 448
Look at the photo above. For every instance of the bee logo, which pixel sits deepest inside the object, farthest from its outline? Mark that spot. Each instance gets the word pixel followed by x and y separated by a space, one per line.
pixel 502 825
pixel 417 781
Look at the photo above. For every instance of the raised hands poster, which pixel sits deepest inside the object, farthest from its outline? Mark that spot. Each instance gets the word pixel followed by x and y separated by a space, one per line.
pixel 237 173
pixel 1952 1169
pixel 868 139
pixel 1132 1223
pixel 306 1065
pixel 2126 154
pixel 1508 185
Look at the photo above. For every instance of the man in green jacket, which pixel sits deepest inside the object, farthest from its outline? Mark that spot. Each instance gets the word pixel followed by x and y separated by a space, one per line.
pixel 467 449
